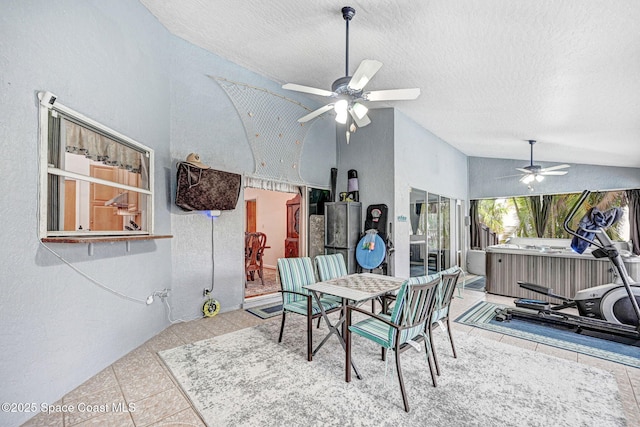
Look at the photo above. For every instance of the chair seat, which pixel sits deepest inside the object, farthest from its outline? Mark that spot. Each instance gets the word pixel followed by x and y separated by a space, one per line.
pixel 300 306
pixel 374 330
pixel 440 314
pixel 379 332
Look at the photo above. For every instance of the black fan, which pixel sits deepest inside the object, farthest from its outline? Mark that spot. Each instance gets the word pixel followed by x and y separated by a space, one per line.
pixel 536 172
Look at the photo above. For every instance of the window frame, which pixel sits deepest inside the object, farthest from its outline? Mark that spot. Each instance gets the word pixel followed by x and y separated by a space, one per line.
pixel 48 103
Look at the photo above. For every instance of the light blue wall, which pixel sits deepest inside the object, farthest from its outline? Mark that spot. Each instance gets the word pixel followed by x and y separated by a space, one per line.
pixel 392 155
pixel 370 152
pixel 107 61
pixel 204 121
pixel 490 178
pixel 113 62
pixel 425 162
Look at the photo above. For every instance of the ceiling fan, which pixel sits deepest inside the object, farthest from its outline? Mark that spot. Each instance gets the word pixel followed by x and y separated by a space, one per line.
pixel 536 172
pixel 348 92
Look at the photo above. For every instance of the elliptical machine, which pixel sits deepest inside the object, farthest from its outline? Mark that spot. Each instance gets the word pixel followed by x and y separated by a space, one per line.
pixel 610 308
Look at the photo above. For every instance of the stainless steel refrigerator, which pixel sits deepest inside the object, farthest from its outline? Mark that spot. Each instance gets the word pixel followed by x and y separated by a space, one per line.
pixel 342 230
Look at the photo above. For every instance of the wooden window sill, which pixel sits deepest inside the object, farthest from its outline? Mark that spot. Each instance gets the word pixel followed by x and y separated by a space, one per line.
pixel 99 239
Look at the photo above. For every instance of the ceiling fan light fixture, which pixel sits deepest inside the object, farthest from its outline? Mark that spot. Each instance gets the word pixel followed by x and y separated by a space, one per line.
pixel 341 106
pixel 360 110
pixel 528 179
pixel 539 178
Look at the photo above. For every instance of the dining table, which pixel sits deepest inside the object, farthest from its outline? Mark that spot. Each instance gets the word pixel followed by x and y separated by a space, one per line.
pixel 352 289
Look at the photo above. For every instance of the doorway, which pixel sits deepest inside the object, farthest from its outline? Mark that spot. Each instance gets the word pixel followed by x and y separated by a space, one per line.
pixel 266 211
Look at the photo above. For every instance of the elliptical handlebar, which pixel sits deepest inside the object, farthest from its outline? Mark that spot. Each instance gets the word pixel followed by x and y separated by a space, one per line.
pixel 572 213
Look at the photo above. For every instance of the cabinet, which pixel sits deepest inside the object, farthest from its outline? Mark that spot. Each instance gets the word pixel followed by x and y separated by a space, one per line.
pixel 291 243
pixel 343 229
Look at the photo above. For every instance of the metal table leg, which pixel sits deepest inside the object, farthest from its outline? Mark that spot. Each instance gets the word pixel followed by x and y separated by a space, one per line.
pixel 333 329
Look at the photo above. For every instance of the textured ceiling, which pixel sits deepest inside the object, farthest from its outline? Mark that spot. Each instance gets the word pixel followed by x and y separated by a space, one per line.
pixel 493 73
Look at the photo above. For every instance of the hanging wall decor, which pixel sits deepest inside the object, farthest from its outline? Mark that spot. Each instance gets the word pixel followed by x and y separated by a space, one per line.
pixel 273 132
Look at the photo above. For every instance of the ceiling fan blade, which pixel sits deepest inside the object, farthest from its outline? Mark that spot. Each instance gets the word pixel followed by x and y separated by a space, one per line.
pixel 524 170
pixel 392 94
pixel 360 122
pixel 553 168
pixel 553 172
pixel 315 113
pixel 366 70
pixel 522 178
pixel 307 89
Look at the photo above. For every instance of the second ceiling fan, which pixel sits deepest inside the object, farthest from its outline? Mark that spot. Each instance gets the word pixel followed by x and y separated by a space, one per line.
pixel 537 172
pixel 348 92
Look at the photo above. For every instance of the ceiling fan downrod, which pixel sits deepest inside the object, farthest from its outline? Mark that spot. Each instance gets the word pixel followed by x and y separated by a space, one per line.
pixel 531 142
pixel 347 13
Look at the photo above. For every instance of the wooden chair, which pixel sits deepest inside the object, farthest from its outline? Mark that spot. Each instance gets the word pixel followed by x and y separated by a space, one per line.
pixel 254 244
pixel 408 321
pixel 444 295
pixel 294 274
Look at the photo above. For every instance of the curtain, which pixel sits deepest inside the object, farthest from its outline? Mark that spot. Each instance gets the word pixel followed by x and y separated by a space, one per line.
pixel 266 184
pixel 474 223
pixel 92 145
pixel 633 199
pixel 540 210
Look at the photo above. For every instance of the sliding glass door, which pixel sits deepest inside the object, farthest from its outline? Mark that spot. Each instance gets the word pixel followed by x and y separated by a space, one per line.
pixel 430 240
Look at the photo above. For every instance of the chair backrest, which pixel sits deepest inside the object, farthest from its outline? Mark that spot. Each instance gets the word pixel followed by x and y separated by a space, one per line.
pixel 254 247
pixel 414 305
pixel 449 280
pixel 330 266
pixel 294 274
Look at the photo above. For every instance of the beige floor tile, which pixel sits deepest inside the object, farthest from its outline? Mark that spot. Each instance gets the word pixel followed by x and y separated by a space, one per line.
pixel 93 405
pixel 136 367
pixel 557 352
pixel 158 407
pixel 165 340
pixel 186 418
pixel 109 419
pixel 139 388
pixel 101 381
pixel 46 420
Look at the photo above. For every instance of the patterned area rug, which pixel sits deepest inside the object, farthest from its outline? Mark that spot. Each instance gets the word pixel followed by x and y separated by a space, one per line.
pixel 255 287
pixel 247 379
pixel 482 315
pixel 477 283
pixel 266 311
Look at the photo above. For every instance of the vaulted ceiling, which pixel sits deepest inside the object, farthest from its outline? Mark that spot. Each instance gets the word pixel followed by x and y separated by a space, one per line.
pixel 493 73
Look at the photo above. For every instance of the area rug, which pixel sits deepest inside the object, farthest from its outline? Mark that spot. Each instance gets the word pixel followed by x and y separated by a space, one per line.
pixel 247 379
pixel 254 288
pixel 266 311
pixel 482 315
pixel 477 283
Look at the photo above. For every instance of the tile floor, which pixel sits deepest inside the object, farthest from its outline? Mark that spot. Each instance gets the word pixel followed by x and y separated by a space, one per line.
pixel 141 380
